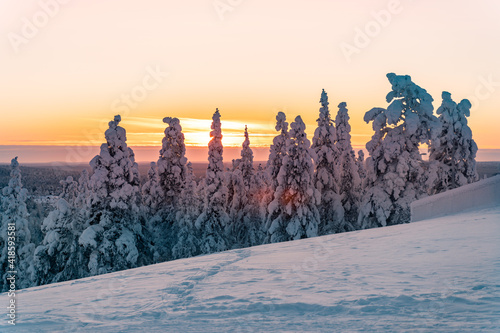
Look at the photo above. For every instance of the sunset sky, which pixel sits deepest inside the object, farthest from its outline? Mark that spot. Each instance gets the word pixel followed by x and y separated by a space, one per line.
pixel 67 69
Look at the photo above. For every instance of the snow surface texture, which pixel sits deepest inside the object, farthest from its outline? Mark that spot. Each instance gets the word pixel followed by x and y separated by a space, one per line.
pixel 482 194
pixel 438 275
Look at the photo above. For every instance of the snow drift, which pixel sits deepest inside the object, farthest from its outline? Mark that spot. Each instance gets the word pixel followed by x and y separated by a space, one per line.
pixel 482 194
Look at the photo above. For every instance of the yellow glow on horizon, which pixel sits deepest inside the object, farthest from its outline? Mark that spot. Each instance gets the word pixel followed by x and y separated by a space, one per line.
pixel 149 132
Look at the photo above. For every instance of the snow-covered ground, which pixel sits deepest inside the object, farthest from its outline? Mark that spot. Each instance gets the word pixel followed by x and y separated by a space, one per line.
pixel 439 275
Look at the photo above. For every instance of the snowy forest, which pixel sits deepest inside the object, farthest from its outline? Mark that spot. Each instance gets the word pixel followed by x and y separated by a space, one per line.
pixel 107 220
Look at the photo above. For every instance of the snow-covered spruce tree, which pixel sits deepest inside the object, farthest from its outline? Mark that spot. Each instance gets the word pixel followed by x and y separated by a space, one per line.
pixel 15 239
pixel 58 257
pixel 277 150
pixel 114 238
pixel 236 201
pixel 240 179
pixel 236 191
pixel 69 189
pixel 346 173
pixel 253 230
pixel 293 213
pixel 326 152
pixel 268 180
pixel 172 177
pixel 246 164
pixel 188 237
pixel 360 162
pixel 152 192
pixel 213 220
pixel 453 161
pixel 395 174
pixel 83 198
pixel 245 227
pixel 172 162
pixel 114 181
pixel 262 193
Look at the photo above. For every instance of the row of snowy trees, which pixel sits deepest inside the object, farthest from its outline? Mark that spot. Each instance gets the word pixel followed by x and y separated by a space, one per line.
pixel 106 221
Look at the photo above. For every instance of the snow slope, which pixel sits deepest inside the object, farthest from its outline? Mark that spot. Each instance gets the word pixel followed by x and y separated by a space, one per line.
pixel 482 194
pixel 439 275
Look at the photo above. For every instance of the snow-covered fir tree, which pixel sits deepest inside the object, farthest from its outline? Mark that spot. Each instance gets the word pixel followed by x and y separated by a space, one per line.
pixel 293 213
pixel 326 152
pixel 360 162
pixel 263 193
pixel 214 219
pixel 69 189
pixel 252 218
pixel 152 192
pixel 346 173
pixel 188 237
pixel 453 161
pixel 172 171
pixel 114 181
pixel 246 162
pixel 236 201
pixel 395 174
pixel 267 178
pixel 241 178
pixel 58 257
pixel 15 239
pixel 114 238
pixel 245 227
pixel 277 150
pixel 172 161
pixel 236 191
pixel 83 198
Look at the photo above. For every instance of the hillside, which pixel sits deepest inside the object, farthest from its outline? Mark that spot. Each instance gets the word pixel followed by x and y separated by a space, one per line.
pixel 434 275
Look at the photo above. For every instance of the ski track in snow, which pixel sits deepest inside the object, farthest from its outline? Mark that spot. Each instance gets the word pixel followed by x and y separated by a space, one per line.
pixel 439 275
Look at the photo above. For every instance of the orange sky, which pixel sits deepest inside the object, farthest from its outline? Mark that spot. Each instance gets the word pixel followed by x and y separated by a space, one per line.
pixel 64 80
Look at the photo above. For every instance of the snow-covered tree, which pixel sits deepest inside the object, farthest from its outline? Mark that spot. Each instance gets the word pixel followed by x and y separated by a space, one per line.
pixel 114 180
pixel 172 173
pixel 293 213
pixel 246 163
pixel 113 238
pixel 188 237
pixel 326 152
pixel 453 161
pixel 15 239
pixel 237 192
pixel 69 189
pixel 241 178
pixel 83 198
pixel 263 193
pixel 152 192
pixel 347 175
pixel 58 257
pixel 277 150
pixel 236 201
pixel 172 162
pixel 360 162
pixel 395 174
pixel 245 228
pixel 213 220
